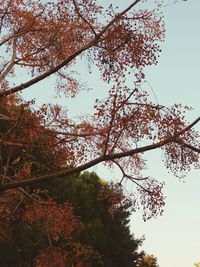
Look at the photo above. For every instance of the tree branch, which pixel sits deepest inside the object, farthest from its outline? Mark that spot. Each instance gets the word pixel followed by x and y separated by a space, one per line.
pixel 5 118
pixel 187 128
pixel 195 149
pixel 35 199
pixel 78 169
pixel 10 65
pixel 15 209
pixel 81 16
pixel 84 166
pixel 65 62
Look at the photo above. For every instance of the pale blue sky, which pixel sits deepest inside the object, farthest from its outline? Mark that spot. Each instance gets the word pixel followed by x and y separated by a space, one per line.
pixel 173 238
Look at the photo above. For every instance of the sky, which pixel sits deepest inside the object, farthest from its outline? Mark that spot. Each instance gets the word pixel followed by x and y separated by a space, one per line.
pixel 174 238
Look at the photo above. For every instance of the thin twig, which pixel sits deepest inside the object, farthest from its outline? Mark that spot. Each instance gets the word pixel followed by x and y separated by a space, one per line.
pixel 15 209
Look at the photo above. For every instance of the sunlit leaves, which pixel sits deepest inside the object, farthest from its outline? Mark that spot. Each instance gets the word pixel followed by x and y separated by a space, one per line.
pixel 46 38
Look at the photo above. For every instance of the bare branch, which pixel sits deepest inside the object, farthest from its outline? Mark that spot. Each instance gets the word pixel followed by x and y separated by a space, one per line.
pixel 10 65
pixel 4 14
pixel 6 118
pixel 15 209
pixel 10 130
pixel 35 199
pixel 10 143
pixel 81 16
pixel 73 134
pixel 114 111
pixel 13 36
pixel 129 176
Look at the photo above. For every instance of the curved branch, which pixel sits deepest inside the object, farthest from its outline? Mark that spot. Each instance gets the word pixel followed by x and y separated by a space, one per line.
pixel 34 199
pixel 128 176
pixel 84 166
pixel 15 209
pixel 110 157
pixel 10 130
pixel 133 179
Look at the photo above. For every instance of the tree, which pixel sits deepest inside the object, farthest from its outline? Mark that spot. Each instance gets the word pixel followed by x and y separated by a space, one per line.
pixel 147 261
pixel 104 210
pixel 70 221
pixel 32 223
pixel 41 40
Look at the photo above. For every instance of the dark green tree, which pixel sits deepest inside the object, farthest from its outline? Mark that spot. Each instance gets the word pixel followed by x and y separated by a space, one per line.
pixel 104 211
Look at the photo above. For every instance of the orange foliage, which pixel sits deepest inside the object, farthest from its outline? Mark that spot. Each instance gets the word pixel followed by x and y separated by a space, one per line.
pixel 55 257
pixel 45 39
pixel 54 219
pixel 52 257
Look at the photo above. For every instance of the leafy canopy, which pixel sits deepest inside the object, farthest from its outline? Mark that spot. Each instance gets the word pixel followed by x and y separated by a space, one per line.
pixel 40 39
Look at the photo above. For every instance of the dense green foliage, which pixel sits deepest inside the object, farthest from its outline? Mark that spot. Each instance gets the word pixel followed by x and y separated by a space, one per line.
pixel 105 231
